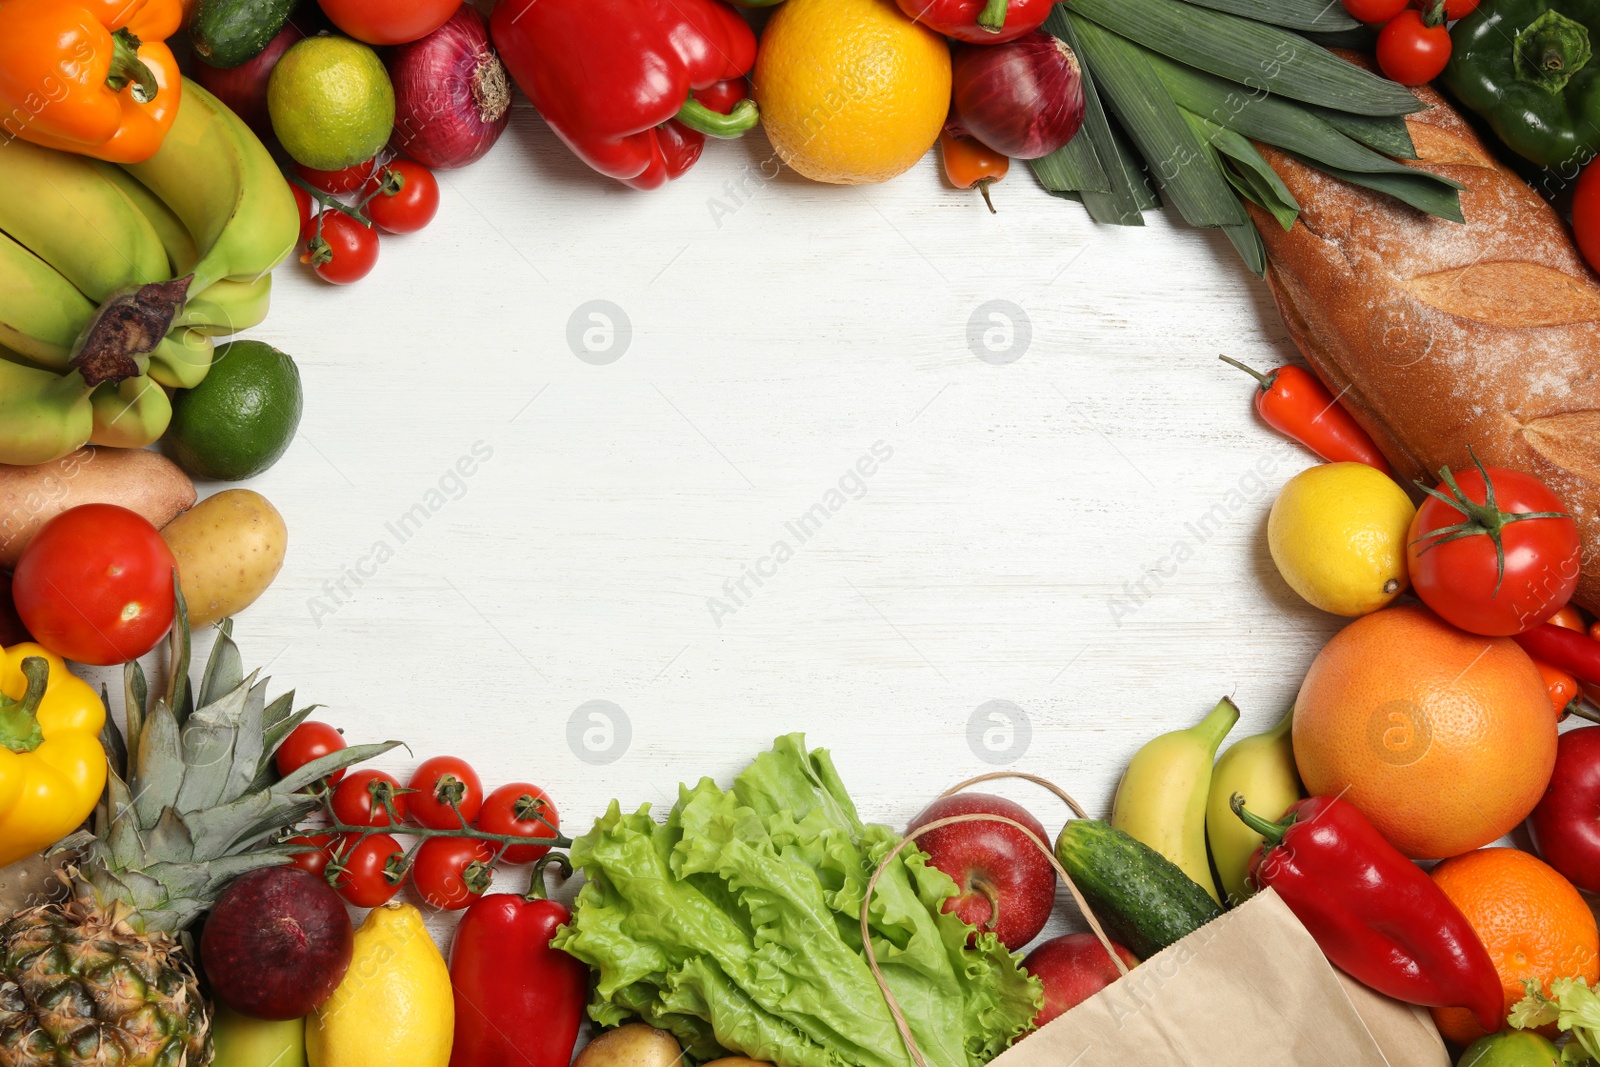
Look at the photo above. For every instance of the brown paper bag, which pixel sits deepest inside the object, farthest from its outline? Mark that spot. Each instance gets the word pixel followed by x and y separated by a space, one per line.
pixel 1250 989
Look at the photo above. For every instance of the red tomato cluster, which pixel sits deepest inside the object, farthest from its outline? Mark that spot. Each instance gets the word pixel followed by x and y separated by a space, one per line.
pixel 1413 41
pixel 341 212
pixel 368 865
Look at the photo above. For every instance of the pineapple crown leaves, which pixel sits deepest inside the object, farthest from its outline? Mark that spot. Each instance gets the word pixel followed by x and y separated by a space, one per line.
pixel 193 799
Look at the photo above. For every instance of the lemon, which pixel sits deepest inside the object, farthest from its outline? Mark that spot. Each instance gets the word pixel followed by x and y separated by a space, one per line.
pixel 331 102
pixel 394 1006
pixel 1338 535
pixel 851 91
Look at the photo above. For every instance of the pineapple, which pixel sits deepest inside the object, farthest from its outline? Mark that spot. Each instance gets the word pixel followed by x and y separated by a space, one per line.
pixel 192 801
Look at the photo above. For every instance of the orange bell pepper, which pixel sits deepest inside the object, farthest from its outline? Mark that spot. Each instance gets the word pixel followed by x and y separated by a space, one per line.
pixel 93 77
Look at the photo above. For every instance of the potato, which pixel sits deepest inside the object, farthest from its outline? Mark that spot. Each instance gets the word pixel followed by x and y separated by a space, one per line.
pixel 633 1045
pixel 229 548
pixel 135 478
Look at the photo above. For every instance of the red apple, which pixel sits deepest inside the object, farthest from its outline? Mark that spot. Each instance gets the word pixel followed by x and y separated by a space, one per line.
pixel 1566 823
pixel 1004 883
pixel 1073 968
pixel 277 943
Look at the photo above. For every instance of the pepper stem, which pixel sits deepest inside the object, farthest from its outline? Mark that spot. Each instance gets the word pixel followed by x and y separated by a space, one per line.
pixel 1549 50
pixel 1265 380
pixel 993 15
pixel 128 69
pixel 19 719
pixel 538 890
pixel 697 116
pixel 1272 832
pixel 983 187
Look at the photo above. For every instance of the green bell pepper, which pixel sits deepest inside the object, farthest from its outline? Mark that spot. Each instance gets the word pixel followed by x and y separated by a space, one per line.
pixel 1526 67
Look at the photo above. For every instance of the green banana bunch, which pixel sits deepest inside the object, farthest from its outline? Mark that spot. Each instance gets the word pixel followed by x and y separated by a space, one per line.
pixel 1262 768
pixel 227 307
pixel 41 411
pixel 41 313
pixel 224 185
pixel 1161 799
pixel 182 254
pixel 71 216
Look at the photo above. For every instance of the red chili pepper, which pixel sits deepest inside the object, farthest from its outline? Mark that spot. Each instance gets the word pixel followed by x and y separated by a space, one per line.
pixel 620 81
pixel 518 1001
pixel 1292 401
pixel 1376 915
pixel 1572 651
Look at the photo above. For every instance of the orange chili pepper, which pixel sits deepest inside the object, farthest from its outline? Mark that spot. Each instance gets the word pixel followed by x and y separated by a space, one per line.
pixel 1562 687
pixel 93 77
pixel 1568 618
pixel 968 163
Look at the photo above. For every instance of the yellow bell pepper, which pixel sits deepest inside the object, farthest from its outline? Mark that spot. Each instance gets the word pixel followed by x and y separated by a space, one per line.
pixel 52 767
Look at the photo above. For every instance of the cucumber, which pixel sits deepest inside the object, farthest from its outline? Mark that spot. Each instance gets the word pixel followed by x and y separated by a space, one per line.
pixel 226 33
pixel 1143 899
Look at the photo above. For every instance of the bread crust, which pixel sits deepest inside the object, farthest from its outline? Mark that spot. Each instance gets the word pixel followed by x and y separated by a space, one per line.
pixel 1439 335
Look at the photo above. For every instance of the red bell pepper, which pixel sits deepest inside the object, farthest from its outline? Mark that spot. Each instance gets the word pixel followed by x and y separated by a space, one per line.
pixel 519 1002
pixel 1376 915
pixel 621 81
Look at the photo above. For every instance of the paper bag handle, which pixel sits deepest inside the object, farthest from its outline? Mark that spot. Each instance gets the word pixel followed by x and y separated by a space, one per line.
pixel 1077 896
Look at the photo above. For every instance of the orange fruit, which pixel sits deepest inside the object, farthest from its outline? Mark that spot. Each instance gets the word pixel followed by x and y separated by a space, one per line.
pixel 850 91
pixel 1443 739
pixel 1534 923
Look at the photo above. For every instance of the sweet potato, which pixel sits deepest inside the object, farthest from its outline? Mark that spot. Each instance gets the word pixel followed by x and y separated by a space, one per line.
pixel 139 480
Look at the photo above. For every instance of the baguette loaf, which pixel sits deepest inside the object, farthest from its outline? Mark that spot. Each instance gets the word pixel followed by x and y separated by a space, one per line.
pixel 1439 335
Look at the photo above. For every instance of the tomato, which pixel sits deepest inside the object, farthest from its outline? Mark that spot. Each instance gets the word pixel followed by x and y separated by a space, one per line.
pixel 355 804
pixel 308 208
pixel 12 632
pixel 389 22
pixel 436 783
pixel 1410 51
pixel 311 740
pixel 1459 9
pixel 345 252
pixel 1463 577
pixel 338 182
pixel 95 585
pixel 404 198
pixel 1371 11
pixel 510 810
pixel 1586 214
pixel 320 852
pixel 368 871
pixel 452 872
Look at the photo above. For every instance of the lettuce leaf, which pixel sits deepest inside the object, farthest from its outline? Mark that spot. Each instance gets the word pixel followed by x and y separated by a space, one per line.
pixel 736 926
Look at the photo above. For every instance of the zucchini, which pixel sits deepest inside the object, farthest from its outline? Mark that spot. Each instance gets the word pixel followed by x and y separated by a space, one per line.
pixel 226 33
pixel 1142 898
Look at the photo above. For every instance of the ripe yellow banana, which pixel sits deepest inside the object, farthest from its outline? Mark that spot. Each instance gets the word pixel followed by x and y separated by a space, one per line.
pixel 182 254
pixel 1262 768
pixel 228 307
pixel 40 311
pixel 71 216
pixel 1161 799
pixel 221 181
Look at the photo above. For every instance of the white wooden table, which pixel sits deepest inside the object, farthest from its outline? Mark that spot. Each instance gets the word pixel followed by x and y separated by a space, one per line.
pixel 1069 523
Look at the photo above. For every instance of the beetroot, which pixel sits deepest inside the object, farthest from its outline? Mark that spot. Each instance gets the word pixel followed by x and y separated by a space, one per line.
pixel 277 943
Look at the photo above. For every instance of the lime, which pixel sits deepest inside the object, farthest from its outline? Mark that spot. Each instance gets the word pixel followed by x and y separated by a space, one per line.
pixel 1511 1048
pixel 331 102
pixel 240 419
pixel 1338 535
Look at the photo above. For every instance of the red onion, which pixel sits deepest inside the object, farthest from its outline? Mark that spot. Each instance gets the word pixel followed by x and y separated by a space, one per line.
pixel 452 98
pixel 1023 98
pixel 244 88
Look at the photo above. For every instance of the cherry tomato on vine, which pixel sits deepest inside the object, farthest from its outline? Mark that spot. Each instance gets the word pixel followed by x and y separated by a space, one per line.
pixel 510 811
pixel 319 851
pixel 95 585
pixel 404 197
pixel 345 251
pixel 1492 551
pixel 1374 11
pixel 345 180
pixel 1410 50
pixel 436 783
pixel 1459 9
pixel 308 208
pixel 311 740
pixel 386 22
pixel 369 870
pixel 358 800
pixel 452 872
